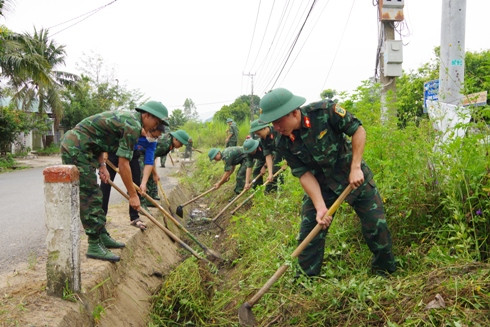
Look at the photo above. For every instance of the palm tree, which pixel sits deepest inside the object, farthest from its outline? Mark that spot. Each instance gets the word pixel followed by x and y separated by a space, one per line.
pixel 32 74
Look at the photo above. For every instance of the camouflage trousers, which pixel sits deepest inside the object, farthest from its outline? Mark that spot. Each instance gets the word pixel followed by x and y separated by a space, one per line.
pixel 368 205
pixel 231 143
pixel 240 178
pixel 91 213
pixel 135 174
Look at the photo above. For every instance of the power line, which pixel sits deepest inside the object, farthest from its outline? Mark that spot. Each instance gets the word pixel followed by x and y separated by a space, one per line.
pixel 88 14
pixel 340 42
pixel 294 43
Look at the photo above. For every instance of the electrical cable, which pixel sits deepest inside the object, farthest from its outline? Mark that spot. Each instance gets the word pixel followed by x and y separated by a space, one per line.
pixel 272 65
pixel 340 42
pixel 88 14
pixel 291 48
pixel 306 40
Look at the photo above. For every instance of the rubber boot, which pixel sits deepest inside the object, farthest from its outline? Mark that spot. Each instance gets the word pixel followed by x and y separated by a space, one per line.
pixel 109 242
pixel 97 250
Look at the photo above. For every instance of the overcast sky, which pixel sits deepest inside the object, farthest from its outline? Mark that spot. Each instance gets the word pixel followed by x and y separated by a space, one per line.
pixel 208 50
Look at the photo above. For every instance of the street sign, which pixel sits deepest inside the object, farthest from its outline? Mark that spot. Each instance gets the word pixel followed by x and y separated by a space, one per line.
pixel 475 99
pixel 431 92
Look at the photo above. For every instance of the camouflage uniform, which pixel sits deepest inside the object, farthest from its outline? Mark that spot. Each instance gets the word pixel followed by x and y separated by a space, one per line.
pixel 269 146
pixel 320 147
pixel 233 141
pixel 188 150
pixel 164 146
pixel 256 161
pixel 233 156
pixel 114 132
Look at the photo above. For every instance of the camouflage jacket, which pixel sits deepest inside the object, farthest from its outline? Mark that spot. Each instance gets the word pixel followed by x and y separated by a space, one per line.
pixel 233 130
pixel 269 143
pixel 233 156
pixel 110 131
pixel 259 155
pixel 321 146
pixel 164 145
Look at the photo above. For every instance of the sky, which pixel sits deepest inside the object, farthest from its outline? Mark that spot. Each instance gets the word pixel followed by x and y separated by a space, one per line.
pixel 213 51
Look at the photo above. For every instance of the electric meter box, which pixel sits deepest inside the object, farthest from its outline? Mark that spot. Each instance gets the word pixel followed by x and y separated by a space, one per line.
pixel 393 58
pixel 391 10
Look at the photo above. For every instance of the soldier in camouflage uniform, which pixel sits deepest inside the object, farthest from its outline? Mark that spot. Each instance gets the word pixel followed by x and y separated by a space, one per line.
pixel 232 132
pixel 141 168
pixel 232 157
pixel 188 149
pixel 273 159
pixel 84 147
pixel 313 142
pixel 255 162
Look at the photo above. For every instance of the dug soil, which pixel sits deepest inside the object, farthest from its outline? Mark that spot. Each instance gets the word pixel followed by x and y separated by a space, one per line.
pixel 113 294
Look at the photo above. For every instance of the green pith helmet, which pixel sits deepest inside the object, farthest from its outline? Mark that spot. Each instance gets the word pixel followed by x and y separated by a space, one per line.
pixel 256 125
pixel 229 120
pixel 250 145
pixel 212 153
pixel 155 108
pixel 278 103
pixel 181 136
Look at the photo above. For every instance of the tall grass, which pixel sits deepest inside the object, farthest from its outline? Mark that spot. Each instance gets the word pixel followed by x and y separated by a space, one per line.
pixel 437 204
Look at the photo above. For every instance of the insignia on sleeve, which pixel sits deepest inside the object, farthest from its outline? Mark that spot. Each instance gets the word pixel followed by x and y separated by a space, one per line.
pixel 322 134
pixel 339 111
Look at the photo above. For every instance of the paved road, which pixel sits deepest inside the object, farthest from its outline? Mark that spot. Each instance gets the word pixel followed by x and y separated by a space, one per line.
pixel 22 231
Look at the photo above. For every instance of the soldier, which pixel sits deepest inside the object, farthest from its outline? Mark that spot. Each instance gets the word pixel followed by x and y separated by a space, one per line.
pixel 163 158
pixel 232 157
pixel 255 162
pixel 188 149
pixel 232 138
pixel 268 138
pixel 84 146
pixel 313 142
pixel 142 162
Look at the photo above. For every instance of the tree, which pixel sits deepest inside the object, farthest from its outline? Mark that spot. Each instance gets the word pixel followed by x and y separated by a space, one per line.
pixel 190 111
pixel 239 110
pixel 328 94
pixel 32 75
pixel 177 119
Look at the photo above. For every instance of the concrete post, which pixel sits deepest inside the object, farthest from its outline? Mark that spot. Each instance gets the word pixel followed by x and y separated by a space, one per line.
pixel 62 206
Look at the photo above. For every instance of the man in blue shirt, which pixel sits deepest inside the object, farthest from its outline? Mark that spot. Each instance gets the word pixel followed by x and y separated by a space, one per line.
pixel 146 147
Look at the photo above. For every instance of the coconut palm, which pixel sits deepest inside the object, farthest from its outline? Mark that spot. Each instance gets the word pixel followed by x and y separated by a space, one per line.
pixel 32 74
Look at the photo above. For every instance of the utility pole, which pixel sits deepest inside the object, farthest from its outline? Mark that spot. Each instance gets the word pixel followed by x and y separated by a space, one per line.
pixel 451 70
pixel 390 55
pixel 388 83
pixel 448 114
pixel 251 96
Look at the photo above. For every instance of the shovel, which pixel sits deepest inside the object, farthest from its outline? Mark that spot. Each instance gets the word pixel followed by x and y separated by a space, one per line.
pixel 208 251
pixel 233 201
pixel 159 225
pixel 245 314
pixel 180 211
pixel 283 168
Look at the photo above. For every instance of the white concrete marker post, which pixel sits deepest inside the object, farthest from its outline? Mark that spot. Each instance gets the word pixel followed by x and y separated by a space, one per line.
pixel 62 206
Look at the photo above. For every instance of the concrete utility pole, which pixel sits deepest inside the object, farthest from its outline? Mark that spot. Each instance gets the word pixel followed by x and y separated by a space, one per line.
pixel 451 70
pixel 390 52
pixel 388 83
pixel 251 96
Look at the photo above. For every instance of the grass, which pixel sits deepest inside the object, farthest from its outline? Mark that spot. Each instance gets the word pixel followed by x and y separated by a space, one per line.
pixel 436 205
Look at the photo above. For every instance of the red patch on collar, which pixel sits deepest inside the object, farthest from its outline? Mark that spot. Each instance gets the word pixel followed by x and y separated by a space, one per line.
pixel 306 121
pixel 292 137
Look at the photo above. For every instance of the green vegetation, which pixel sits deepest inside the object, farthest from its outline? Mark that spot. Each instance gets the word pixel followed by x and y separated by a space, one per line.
pixel 437 203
